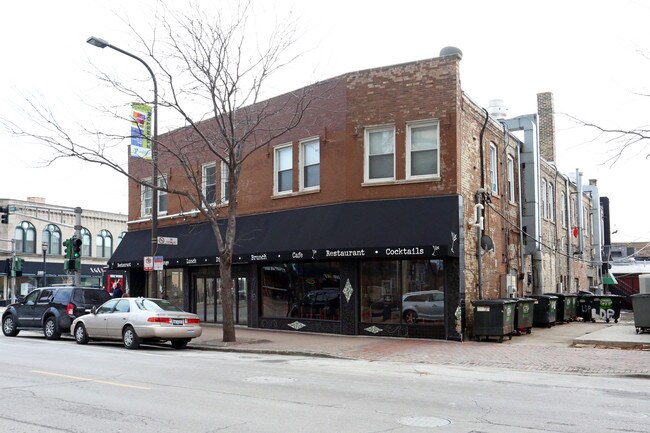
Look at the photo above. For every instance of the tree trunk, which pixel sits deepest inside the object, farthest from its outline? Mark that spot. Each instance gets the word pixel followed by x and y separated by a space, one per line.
pixel 225 268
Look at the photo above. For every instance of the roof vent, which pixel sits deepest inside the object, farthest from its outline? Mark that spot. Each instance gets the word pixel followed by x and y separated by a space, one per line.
pixel 497 109
pixel 451 51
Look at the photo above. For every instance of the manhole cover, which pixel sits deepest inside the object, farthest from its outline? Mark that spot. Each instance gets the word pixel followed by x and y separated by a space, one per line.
pixel 269 379
pixel 423 421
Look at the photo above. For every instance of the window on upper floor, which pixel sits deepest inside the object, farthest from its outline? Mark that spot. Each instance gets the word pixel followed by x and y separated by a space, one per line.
pixel 283 169
pixel 563 207
pixel 86 242
pixel 379 149
pixel 542 194
pixel 25 238
pixel 551 202
pixel 209 182
pixel 494 169
pixel 309 164
pixel 146 202
pixel 104 243
pixel 225 186
pixel 52 235
pixel 422 149
pixel 511 179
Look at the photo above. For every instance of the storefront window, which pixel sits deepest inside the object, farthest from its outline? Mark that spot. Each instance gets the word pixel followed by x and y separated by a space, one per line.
pixel 173 287
pixel 301 290
pixel 402 291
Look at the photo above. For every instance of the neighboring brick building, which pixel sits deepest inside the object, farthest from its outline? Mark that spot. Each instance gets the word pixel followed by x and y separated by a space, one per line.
pixel 365 219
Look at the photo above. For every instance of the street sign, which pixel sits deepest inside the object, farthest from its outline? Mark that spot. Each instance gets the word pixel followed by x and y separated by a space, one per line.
pixel 158 263
pixel 167 241
pixel 148 263
pixel 11 208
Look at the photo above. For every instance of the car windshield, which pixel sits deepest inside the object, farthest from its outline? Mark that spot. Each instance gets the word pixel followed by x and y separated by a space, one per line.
pixel 156 305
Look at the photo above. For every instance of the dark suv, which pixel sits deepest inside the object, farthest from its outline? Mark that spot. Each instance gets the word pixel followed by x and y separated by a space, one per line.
pixel 51 309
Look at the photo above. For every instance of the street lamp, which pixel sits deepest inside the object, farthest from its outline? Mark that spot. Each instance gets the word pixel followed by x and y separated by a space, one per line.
pixel 45 245
pixel 154 154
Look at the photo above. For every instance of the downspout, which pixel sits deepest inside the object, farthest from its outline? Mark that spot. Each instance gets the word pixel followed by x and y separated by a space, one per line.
pixel 480 209
pixel 569 233
pixel 521 219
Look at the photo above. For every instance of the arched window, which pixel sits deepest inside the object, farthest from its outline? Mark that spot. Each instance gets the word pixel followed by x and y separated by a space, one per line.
pixel 86 243
pixel 25 237
pixel 120 237
pixel 104 242
pixel 52 235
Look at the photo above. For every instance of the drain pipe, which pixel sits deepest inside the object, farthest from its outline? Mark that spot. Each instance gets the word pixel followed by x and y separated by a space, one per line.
pixel 480 209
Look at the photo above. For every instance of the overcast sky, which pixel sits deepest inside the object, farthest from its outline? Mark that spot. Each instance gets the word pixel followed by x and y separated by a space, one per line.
pixel 594 56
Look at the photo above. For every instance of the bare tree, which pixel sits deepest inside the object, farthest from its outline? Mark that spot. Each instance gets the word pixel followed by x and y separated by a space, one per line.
pixel 201 61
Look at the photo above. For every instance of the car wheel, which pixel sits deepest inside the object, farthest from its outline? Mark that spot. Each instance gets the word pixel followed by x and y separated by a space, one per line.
pixel 180 344
pixel 130 338
pixel 80 334
pixel 9 327
pixel 49 329
pixel 410 317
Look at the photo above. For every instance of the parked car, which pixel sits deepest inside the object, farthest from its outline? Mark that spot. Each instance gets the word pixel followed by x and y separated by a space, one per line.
pixel 51 309
pixel 137 320
pixel 318 304
pixel 425 305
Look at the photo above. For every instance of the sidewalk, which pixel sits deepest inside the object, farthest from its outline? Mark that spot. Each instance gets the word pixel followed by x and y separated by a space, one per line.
pixel 577 347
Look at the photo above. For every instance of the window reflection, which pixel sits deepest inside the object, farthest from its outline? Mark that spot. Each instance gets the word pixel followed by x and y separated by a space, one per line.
pixel 301 290
pixel 402 291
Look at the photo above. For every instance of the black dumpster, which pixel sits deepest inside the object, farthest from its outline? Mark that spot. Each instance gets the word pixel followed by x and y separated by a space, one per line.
pixel 544 312
pixel 641 307
pixel 584 305
pixel 524 315
pixel 494 318
pixel 606 307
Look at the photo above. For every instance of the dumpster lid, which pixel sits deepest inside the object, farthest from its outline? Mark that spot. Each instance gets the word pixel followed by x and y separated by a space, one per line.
pixel 493 301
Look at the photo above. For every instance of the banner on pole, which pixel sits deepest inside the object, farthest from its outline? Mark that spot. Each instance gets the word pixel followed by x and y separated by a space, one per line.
pixel 141 131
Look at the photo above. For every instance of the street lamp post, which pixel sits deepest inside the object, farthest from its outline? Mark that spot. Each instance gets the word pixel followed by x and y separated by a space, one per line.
pixel 45 245
pixel 154 155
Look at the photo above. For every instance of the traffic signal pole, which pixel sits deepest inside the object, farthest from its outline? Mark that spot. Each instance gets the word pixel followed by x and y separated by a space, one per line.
pixel 77 235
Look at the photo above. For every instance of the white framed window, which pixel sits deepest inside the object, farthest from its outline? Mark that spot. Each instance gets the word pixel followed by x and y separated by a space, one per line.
pixel 422 149
pixel 283 169
pixel 563 207
pixel 379 149
pixel 494 171
pixel 146 197
pixel 511 179
pixel 225 186
pixel 86 244
pixel 209 182
pixel 542 194
pixel 309 164
pixel 104 243
pixel 551 202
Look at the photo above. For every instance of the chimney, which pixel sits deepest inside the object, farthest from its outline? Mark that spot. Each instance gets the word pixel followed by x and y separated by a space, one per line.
pixel 546 126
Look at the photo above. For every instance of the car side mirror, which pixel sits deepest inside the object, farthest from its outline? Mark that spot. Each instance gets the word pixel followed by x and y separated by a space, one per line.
pixel 93 310
pixel 20 299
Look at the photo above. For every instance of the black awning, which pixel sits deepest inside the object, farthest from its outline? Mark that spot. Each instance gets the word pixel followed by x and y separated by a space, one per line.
pixel 419 227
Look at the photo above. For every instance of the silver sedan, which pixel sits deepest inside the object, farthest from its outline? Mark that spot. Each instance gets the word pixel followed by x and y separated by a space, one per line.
pixel 137 320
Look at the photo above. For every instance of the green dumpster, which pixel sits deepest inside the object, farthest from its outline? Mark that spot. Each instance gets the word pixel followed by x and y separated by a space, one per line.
pixel 494 318
pixel 544 313
pixel 566 306
pixel 641 307
pixel 524 315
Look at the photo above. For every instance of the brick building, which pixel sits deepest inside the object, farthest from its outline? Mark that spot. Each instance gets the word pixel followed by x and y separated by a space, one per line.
pixel 395 202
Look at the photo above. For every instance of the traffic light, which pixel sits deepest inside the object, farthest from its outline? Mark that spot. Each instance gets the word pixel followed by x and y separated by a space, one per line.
pixel 76 253
pixel 4 210
pixel 68 260
pixel 18 267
